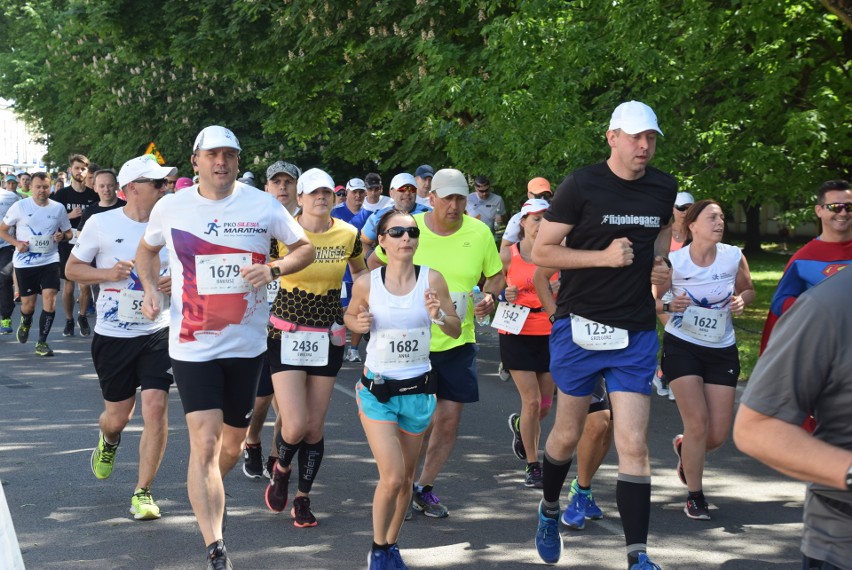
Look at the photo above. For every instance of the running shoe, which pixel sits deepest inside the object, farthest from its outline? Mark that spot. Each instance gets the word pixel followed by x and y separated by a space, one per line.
pixel 23 332
pixel 43 350
pixel 503 373
pixel 143 507
pixel 6 326
pixel 396 558
pixel 351 354
pixel 69 328
pixel 517 441
pixel 380 560
pixel 593 511
pixel 645 563
pixel 270 465
pixel 409 512
pixel 103 458
pixel 659 382
pixel 671 394
pixel 428 503
pixel 217 557
pixel 575 513
pixel 548 541
pixel 253 461
pixel 677 443
pixel 301 513
pixel 697 508
pixel 85 329
pixel 532 476
pixel 276 491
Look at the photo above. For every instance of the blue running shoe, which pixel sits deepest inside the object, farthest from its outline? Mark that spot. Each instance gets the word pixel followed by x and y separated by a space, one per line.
pixel 548 541
pixel 379 560
pixel 396 558
pixel 575 513
pixel 593 511
pixel 645 563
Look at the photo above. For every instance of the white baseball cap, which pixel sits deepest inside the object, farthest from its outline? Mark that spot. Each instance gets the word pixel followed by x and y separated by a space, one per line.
pixel 402 179
pixel 634 117
pixel 449 181
pixel 684 198
pixel 215 136
pixel 356 184
pixel 145 166
pixel 312 180
pixel 534 206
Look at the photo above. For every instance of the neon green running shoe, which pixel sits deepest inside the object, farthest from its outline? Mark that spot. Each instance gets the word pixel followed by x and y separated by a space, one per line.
pixel 6 326
pixel 43 350
pixel 103 458
pixel 23 332
pixel 143 507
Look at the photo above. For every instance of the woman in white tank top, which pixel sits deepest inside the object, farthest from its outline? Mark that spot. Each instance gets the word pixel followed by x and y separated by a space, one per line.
pixel 710 282
pixel 397 305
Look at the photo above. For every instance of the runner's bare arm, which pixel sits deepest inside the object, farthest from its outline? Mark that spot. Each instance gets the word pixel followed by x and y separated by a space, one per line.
pixel 82 272
pixel 541 282
pixel 148 269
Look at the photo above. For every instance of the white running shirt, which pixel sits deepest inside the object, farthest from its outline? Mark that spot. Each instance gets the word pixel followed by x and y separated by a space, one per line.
pixel 31 220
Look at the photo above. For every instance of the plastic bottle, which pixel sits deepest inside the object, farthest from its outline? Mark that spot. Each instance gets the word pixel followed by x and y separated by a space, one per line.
pixel 476 295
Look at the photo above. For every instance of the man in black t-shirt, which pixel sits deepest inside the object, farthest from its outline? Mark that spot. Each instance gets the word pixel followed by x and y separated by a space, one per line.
pixel 75 197
pixel 614 219
pixel 106 186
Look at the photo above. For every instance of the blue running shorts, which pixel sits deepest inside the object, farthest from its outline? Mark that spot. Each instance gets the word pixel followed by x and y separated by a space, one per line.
pixel 412 413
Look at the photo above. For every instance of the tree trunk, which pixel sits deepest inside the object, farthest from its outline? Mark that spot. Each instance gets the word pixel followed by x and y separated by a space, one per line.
pixel 752 239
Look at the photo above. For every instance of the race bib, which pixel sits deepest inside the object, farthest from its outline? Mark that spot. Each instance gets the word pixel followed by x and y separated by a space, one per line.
pixel 593 335
pixel 460 303
pixel 705 324
pixel 398 348
pixel 74 234
pixel 40 244
pixel 272 290
pixel 130 306
pixel 220 274
pixel 510 317
pixel 304 348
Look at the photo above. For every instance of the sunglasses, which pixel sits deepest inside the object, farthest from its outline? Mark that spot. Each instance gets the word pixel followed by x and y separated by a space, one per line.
pixel 397 231
pixel 404 189
pixel 543 196
pixel 683 208
pixel 838 207
pixel 159 183
pixel 340 193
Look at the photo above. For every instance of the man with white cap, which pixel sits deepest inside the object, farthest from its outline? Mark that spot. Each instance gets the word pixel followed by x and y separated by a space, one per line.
pixel 403 191
pixel 447 229
pixel 537 189
pixel 218 236
pixel 356 191
pixel 606 224
pixel 128 350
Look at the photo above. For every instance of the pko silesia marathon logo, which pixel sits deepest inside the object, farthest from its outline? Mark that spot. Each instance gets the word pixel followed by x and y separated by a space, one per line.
pixel 234 228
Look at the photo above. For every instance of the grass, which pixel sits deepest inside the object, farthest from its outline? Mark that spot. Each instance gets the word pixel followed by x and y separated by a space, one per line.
pixel 766 269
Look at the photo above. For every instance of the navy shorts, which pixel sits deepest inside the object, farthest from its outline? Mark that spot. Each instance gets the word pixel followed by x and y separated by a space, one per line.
pixel 577 371
pixel 456 372
pixel 227 384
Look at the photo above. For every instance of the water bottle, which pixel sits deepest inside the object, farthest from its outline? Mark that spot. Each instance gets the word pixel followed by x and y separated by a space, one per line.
pixel 476 295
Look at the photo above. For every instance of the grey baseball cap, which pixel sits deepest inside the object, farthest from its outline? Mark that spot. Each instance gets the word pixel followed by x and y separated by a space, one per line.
pixel 287 168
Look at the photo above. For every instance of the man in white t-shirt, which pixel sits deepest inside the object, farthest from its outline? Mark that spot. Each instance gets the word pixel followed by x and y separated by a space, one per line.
pixel 39 224
pixel 375 200
pixel 128 350
pixel 218 235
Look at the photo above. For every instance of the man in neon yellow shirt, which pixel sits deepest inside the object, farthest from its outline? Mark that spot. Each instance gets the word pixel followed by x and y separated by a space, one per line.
pixel 443 230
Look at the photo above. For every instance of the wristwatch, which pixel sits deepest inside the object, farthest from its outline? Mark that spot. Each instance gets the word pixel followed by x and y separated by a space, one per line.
pixel 552 318
pixel 276 271
pixel 666 308
pixel 440 319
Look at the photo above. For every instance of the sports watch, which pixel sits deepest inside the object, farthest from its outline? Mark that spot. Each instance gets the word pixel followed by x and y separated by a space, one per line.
pixel 276 271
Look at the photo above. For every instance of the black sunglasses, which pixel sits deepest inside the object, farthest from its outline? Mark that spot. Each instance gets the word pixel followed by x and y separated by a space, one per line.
pixel 159 183
pixel 543 196
pixel 683 208
pixel 397 231
pixel 838 207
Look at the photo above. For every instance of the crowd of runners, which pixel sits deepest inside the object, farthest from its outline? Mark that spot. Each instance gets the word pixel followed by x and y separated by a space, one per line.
pixel 248 298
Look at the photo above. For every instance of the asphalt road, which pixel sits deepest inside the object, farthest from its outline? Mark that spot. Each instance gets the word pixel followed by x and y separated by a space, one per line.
pixel 65 518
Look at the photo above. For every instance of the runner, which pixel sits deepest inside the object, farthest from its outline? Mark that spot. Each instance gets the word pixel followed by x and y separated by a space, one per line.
pixel 396 392
pixel 375 200
pixel 525 352
pixel 710 282
pixel 7 270
pixel 218 236
pixel 614 216
pixel 39 225
pixel 423 178
pixel 128 350
pixel 306 341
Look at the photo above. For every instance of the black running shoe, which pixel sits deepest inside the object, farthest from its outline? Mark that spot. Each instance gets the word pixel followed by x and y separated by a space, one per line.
pixel 517 442
pixel 217 557
pixel 677 443
pixel 276 491
pixel 69 328
pixel 301 513
pixel 697 508
pixel 253 461
pixel 85 329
